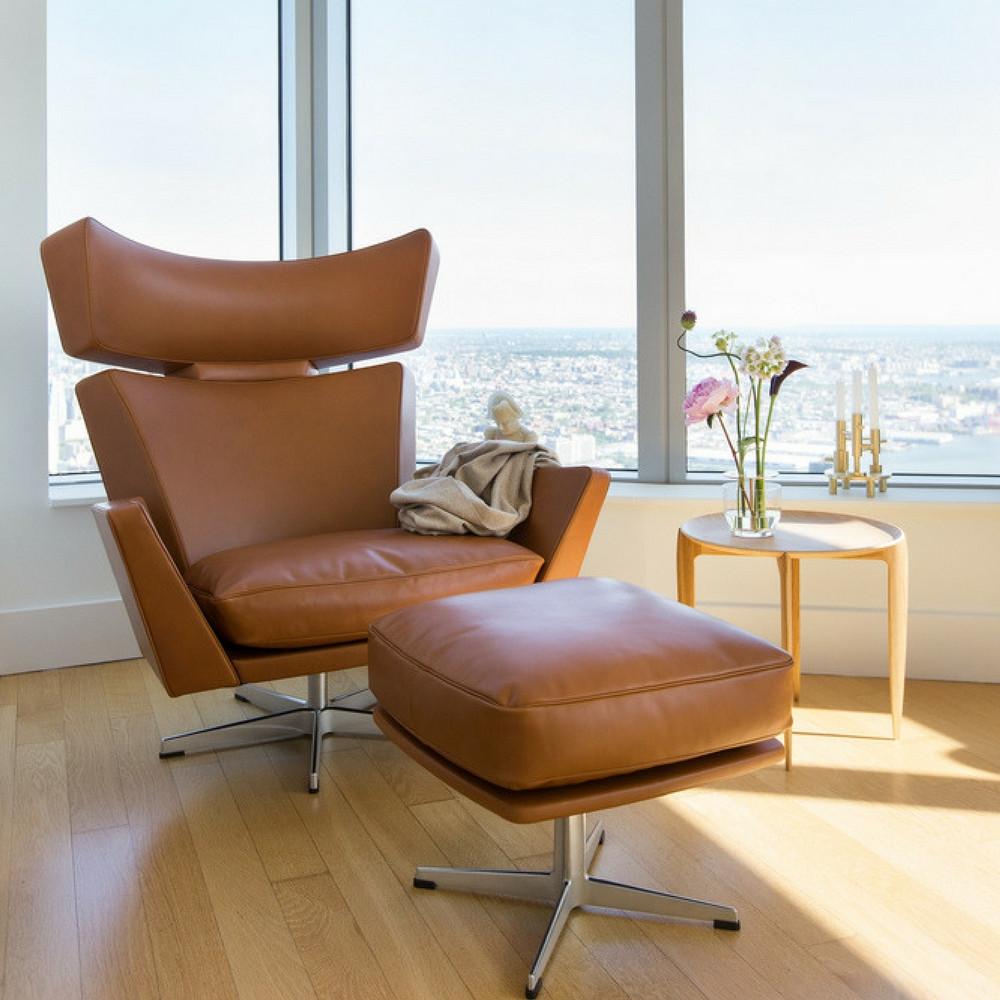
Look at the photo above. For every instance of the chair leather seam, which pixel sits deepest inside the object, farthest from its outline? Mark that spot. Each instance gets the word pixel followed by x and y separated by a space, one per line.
pixel 663 686
pixel 506 561
pixel 583 776
pixel 309 641
pixel 580 778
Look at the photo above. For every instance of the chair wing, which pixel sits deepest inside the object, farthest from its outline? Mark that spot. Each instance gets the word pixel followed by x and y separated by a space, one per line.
pixel 168 625
pixel 565 504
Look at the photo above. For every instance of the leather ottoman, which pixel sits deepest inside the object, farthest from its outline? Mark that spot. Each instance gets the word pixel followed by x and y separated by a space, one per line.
pixel 548 701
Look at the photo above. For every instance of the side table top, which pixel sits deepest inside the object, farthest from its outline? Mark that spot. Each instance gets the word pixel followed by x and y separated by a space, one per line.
pixel 800 532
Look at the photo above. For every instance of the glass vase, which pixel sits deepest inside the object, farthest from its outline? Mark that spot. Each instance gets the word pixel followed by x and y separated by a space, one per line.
pixel 751 504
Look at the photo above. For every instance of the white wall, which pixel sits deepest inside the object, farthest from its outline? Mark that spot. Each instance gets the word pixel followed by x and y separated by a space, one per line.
pixel 57 596
pixel 58 602
pixel 954 546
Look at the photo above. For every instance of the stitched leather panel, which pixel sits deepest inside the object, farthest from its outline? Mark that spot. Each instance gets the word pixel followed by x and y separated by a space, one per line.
pixel 573 681
pixel 328 588
pixel 226 464
pixel 122 303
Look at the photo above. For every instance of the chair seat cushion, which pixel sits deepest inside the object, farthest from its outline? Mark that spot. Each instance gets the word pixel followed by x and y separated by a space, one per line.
pixel 324 589
pixel 574 680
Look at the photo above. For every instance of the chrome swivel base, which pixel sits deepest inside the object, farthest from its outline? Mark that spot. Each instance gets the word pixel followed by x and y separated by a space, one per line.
pixel 287 718
pixel 568 886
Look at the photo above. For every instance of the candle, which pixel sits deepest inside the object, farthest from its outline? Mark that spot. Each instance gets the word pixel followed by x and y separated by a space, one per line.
pixel 856 394
pixel 873 397
pixel 841 400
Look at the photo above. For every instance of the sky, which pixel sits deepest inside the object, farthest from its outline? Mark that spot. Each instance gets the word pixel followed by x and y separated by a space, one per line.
pixel 163 122
pixel 842 161
pixel 841 158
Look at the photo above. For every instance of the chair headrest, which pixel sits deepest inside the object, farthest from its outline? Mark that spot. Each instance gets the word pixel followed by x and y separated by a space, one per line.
pixel 122 303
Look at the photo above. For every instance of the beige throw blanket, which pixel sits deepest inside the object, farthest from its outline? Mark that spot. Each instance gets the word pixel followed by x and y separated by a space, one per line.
pixel 478 488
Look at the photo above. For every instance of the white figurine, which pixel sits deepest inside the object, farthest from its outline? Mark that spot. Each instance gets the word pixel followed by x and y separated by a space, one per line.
pixel 507 420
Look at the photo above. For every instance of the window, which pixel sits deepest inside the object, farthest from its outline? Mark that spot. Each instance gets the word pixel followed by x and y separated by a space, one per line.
pixel 841 191
pixel 828 176
pixel 163 125
pixel 508 130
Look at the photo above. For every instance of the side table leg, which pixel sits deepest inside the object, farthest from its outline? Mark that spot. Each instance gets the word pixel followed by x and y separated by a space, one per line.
pixel 687 551
pixel 788 571
pixel 897 565
pixel 788 748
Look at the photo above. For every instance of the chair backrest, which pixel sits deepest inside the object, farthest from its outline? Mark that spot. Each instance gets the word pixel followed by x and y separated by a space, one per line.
pixel 243 441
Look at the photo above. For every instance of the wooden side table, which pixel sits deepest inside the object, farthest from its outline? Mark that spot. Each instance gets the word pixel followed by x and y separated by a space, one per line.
pixel 809 535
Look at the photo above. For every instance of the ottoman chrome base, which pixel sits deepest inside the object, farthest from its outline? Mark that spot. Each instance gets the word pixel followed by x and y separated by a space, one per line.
pixel 567 886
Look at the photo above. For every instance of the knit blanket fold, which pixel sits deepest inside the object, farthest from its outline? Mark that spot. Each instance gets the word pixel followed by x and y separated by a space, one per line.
pixel 478 488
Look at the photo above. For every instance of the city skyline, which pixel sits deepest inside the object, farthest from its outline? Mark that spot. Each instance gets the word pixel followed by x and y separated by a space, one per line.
pixel 940 412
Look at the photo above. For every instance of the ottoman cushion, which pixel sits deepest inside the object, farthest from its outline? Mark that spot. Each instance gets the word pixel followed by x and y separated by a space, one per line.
pixel 570 681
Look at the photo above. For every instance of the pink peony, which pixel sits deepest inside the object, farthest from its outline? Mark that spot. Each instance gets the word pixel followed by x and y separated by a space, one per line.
pixel 708 397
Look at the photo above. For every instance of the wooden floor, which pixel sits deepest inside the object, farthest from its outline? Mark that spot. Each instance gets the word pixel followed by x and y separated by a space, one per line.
pixel 871 870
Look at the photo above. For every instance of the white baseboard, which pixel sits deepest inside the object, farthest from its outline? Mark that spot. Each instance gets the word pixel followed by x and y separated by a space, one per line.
pixel 848 641
pixel 65 635
pixel 853 642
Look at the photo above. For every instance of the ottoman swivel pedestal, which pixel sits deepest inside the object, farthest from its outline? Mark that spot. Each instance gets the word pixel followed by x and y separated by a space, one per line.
pixel 550 701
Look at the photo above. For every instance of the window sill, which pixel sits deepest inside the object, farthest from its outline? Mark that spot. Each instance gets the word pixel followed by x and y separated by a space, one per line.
pixel 76 494
pixel 819 495
pixel 86 494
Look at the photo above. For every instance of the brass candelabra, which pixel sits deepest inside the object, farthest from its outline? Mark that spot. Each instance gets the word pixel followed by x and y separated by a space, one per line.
pixel 847 468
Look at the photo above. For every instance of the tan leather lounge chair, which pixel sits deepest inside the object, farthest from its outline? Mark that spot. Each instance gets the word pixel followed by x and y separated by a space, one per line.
pixel 248 519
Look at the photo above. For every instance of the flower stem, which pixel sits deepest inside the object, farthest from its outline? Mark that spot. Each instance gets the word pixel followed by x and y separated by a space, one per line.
pixel 739 471
pixel 758 511
pixel 767 430
pixel 739 406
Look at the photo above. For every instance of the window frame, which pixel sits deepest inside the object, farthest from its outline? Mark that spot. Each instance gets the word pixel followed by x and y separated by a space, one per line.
pixel 294 26
pixel 314 121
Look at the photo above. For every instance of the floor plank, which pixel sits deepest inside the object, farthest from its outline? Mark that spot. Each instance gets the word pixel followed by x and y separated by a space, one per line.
pixel 116 954
pixel 415 966
pixel 339 960
pixel 42 951
pixel 473 943
pixel 279 835
pixel 8 751
pixel 863 891
pixel 173 715
pixel 638 851
pixel 39 707
pixel 243 899
pixel 8 689
pixel 95 794
pixel 412 783
pixel 191 961
pixel 125 688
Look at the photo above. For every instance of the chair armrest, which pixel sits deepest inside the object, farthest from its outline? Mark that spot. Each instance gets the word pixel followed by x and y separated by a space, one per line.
pixel 168 624
pixel 565 504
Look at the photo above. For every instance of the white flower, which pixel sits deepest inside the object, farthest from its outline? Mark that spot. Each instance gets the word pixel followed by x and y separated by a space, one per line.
pixel 725 342
pixel 763 359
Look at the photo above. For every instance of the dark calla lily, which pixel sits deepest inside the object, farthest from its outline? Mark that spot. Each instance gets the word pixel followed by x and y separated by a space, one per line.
pixel 790 368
